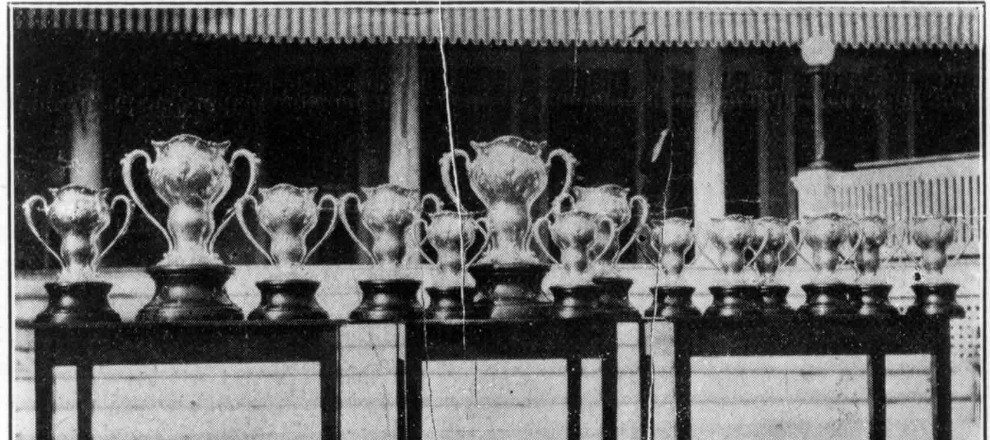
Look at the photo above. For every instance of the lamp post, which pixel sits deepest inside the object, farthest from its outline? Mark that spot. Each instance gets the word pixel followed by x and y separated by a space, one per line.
pixel 818 52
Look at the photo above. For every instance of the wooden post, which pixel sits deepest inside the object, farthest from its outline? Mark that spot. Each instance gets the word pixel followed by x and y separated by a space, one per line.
pixel 403 165
pixel 87 149
pixel 709 154
pixel 763 144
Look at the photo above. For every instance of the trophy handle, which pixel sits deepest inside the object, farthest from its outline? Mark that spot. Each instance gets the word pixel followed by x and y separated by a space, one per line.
pixel 569 163
pixel 28 209
pixel 481 227
pixel 239 212
pixel 126 163
pixel 253 161
pixel 419 222
pixel 342 205
pixel 430 197
pixel 792 228
pixel 535 236
pixel 612 228
pixel 846 259
pixel 706 238
pixel 128 213
pixel 758 251
pixel 447 163
pixel 333 224
pixel 644 214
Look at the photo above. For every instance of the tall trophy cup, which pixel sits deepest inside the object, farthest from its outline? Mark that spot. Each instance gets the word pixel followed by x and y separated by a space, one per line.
pixel 191 176
pixel 610 201
pixel 80 216
pixel 288 214
pixel 575 233
pixel 386 213
pixel 867 236
pixel 508 175
pixel 773 294
pixel 826 294
pixel 450 287
pixel 734 295
pixel 671 239
pixel 934 295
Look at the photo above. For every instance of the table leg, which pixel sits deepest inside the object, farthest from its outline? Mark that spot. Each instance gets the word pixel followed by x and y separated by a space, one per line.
pixel 941 370
pixel 44 388
pixel 409 382
pixel 646 419
pixel 682 381
pixel 84 401
pixel 876 378
pixel 574 399
pixel 610 392
pixel 330 385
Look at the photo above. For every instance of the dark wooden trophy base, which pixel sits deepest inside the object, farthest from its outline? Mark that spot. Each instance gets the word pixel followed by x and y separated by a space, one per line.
pixel 826 300
pixel 388 300
pixel 190 293
pixel 774 300
pixel 935 300
pixel 288 300
pixel 671 302
pixel 572 302
pixel 448 304
pixel 732 301
pixel 614 299
pixel 873 300
pixel 84 301
pixel 509 292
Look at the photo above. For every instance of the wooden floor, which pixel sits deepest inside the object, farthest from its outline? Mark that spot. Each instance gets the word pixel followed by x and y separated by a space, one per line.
pixel 748 398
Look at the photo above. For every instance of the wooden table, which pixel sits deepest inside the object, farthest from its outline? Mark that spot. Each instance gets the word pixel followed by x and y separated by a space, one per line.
pixel 130 343
pixel 802 336
pixel 572 340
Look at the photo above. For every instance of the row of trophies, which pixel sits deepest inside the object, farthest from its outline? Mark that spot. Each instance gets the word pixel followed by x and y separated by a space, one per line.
pixel 502 280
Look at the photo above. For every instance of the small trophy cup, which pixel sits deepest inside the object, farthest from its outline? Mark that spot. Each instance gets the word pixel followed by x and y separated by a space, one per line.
pixel 826 294
pixel 671 239
pixel 191 176
pixel 610 201
pixel 80 216
pixel 776 232
pixel 575 233
pixel 735 295
pixel 450 288
pixel 934 295
pixel 867 236
pixel 386 213
pixel 288 214
pixel 508 176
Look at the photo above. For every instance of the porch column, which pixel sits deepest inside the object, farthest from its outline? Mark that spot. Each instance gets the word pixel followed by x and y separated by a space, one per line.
pixel 87 153
pixel 403 164
pixel 709 153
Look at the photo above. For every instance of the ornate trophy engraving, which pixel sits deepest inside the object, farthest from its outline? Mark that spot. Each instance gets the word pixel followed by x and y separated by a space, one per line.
pixel 576 234
pixel 450 287
pixel 508 175
pixel 386 213
pixel 735 295
pixel 867 236
pixel 610 201
pixel 671 239
pixel 288 214
pixel 826 294
pixel 776 232
pixel 191 176
pixel 934 296
pixel 80 216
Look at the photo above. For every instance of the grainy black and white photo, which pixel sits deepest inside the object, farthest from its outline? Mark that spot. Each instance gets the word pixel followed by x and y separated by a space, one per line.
pixel 436 220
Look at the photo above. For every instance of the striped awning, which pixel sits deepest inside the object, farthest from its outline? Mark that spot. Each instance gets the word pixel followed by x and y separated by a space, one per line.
pixel 887 26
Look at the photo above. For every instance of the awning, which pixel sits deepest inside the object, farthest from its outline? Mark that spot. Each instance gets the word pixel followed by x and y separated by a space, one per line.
pixel 887 26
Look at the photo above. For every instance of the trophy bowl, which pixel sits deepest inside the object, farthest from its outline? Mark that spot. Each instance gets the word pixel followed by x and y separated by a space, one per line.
pixel 79 215
pixel 508 175
pixel 191 176
pixel 387 213
pixel 869 295
pixel 288 214
pixel 826 294
pixel 671 239
pixel 934 295
pixel 576 234
pixel 450 288
pixel 776 233
pixel 735 295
